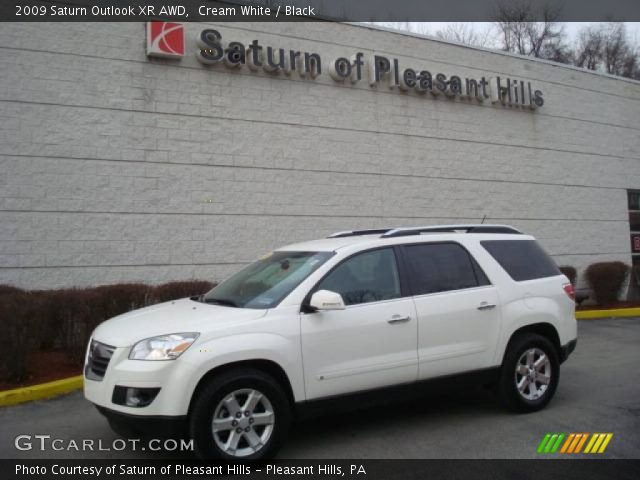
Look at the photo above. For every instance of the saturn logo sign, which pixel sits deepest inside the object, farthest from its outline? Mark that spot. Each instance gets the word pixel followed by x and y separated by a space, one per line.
pixel 165 39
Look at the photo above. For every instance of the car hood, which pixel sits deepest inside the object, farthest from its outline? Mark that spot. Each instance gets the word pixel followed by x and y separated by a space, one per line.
pixel 177 316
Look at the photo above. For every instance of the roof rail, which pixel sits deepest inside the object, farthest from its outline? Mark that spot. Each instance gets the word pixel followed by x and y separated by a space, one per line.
pixel 470 228
pixel 405 231
pixel 355 233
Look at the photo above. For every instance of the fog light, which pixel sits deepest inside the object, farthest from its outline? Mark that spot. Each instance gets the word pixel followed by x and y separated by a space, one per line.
pixel 134 396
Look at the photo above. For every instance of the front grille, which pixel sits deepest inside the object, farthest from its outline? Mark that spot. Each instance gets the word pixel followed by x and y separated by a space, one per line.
pixel 98 360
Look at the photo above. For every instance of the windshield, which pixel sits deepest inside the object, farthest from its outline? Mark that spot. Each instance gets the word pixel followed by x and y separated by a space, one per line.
pixel 265 283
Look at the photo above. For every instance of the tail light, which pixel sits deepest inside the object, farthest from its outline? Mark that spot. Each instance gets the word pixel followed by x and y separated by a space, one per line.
pixel 568 289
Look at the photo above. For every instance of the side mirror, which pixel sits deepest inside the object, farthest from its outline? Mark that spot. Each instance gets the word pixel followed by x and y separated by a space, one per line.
pixel 326 300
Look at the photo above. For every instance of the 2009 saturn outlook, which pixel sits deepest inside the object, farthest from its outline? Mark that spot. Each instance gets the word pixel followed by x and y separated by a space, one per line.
pixel 356 312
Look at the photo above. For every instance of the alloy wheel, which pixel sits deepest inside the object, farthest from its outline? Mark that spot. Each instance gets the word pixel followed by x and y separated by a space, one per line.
pixel 243 422
pixel 533 374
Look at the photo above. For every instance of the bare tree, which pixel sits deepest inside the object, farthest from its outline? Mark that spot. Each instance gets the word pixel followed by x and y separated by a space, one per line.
pixel 512 19
pixel 588 51
pixel 464 33
pixel 546 33
pixel 617 52
pixel 607 47
pixel 557 52
pixel 631 65
pixel 521 33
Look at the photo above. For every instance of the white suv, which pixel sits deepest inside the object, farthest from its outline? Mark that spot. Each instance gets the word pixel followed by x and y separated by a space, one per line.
pixel 358 311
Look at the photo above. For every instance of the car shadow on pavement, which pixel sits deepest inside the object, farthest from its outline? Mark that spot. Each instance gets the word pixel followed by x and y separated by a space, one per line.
pixel 391 417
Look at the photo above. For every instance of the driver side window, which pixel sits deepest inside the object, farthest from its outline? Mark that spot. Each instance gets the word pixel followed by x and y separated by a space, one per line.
pixel 366 277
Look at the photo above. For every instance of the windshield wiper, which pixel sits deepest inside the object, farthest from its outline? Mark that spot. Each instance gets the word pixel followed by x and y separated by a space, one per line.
pixel 221 301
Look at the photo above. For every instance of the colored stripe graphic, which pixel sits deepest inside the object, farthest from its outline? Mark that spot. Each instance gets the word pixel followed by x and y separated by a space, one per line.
pixel 543 443
pixel 598 443
pixel 568 442
pixel 607 439
pixel 591 442
pixel 550 443
pixel 582 440
pixel 573 443
pixel 555 447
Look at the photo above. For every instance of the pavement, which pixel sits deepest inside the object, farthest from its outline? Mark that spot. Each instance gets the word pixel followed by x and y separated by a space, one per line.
pixel 599 391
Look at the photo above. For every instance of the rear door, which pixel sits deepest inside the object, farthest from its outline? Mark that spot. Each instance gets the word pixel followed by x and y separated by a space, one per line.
pixel 457 306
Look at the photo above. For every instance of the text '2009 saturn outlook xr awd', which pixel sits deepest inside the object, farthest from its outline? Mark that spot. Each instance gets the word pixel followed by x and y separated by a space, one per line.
pixel 355 312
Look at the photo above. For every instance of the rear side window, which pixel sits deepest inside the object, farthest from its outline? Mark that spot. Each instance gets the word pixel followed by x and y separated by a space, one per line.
pixel 522 259
pixel 441 267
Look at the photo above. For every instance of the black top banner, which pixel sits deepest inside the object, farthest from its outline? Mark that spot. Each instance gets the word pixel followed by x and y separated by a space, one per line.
pixel 310 10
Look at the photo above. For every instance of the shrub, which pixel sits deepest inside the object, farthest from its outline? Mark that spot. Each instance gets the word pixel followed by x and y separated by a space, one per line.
pixel 5 289
pixel 77 312
pixel 122 297
pixel 606 279
pixel 49 325
pixel 20 320
pixel 52 319
pixel 175 290
pixel 569 272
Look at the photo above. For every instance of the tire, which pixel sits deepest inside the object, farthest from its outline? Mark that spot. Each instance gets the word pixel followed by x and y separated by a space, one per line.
pixel 533 395
pixel 254 437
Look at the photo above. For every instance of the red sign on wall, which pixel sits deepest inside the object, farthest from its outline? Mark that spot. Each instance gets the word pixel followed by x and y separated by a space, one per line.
pixel 635 242
pixel 165 39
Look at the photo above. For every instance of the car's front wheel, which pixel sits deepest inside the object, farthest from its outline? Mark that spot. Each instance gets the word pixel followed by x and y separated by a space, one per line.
pixel 529 374
pixel 243 414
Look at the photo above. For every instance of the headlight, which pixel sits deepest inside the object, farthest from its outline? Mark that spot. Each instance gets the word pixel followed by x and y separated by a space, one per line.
pixel 164 347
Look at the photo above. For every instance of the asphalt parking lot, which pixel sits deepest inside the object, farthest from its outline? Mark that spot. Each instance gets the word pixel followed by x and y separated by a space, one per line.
pixel 599 392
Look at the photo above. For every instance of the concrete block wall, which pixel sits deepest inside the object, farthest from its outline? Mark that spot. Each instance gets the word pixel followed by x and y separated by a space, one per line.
pixel 115 167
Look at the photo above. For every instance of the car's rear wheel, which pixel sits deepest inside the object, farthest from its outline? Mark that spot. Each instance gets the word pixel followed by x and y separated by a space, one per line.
pixel 529 374
pixel 243 414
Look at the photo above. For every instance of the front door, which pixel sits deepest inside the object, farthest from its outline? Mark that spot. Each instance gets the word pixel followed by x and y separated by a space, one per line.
pixel 369 344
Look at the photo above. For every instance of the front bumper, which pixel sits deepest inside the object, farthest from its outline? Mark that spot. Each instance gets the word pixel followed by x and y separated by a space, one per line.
pixel 568 349
pixel 175 379
pixel 136 426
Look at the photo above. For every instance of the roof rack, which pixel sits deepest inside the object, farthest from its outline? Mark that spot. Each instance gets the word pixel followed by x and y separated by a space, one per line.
pixel 355 233
pixel 470 228
pixel 406 231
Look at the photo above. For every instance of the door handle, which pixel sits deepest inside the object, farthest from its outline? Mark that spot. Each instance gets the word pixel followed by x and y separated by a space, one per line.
pixel 398 319
pixel 486 306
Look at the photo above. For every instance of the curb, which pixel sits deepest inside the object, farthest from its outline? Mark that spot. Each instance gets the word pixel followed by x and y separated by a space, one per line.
pixel 38 392
pixel 611 313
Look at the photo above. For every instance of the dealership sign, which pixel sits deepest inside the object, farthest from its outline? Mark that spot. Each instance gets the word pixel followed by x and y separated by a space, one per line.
pixel 166 39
